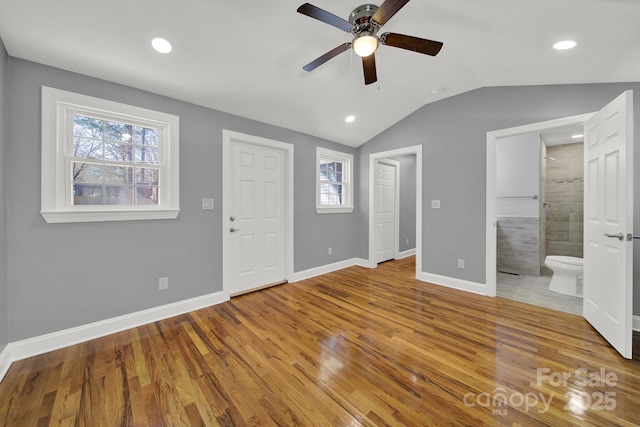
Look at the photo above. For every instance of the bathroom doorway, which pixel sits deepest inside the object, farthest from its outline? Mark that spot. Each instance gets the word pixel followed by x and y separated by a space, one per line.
pixel 608 206
pixel 540 210
pixel 528 204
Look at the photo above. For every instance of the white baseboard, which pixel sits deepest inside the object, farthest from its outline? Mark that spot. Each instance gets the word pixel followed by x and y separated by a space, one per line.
pixel 407 253
pixel 44 343
pixel 451 282
pixel 363 263
pixel 328 268
pixel 5 361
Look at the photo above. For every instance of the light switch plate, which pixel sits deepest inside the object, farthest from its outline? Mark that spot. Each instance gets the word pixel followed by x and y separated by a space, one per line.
pixel 435 204
pixel 207 204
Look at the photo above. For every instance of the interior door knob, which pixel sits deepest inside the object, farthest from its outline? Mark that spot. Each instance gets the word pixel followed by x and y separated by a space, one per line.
pixel 233 229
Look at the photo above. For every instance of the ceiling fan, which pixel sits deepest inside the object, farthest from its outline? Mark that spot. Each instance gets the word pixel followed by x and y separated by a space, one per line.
pixel 364 23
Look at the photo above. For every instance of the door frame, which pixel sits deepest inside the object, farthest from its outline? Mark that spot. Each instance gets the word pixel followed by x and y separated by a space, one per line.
pixel 396 205
pixel 491 228
pixel 373 157
pixel 228 137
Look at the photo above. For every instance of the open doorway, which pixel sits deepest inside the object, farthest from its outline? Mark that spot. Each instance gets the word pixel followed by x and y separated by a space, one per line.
pixel 491 203
pixel 540 213
pixel 607 267
pixel 374 159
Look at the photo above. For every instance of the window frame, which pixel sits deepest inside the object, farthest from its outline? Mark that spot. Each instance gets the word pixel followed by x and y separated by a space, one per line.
pixel 58 109
pixel 347 180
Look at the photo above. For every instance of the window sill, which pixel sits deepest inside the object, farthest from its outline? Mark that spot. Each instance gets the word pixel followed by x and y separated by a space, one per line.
pixel 55 217
pixel 325 210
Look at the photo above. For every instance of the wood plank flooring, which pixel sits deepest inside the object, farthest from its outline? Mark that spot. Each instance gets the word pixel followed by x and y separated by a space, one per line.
pixel 357 347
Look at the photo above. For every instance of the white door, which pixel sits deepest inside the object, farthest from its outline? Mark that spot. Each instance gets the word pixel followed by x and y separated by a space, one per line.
pixel 385 196
pixel 256 221
pixel 608 204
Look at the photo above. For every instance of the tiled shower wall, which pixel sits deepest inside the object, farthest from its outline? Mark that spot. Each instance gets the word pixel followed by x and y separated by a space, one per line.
pixel 518 250
pixel 564 191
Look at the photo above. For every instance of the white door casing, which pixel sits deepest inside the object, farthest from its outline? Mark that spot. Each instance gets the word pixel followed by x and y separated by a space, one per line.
pixel 257 223
pixel 490 226
pixel 386 202
pixel 602 296
pixel 373 158
pixel 608 211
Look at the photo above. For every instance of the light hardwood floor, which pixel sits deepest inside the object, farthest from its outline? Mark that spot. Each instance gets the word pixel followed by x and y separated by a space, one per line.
pixel 357 347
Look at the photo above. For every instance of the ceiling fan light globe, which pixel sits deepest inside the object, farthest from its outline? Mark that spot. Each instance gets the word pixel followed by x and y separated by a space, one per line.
pixel 365 45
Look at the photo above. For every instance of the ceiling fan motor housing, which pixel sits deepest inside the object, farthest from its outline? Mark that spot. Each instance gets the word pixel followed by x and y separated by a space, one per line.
pixel 361 19
pixel 364 29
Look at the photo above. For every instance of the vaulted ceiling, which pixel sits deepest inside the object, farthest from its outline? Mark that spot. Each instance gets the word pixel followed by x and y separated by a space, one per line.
pixel 245 57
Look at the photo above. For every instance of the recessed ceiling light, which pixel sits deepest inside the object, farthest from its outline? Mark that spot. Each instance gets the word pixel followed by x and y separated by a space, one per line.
pixel 349 119
pixel 438 90
pixel 576 136
pixel 161 45
pixel 564 45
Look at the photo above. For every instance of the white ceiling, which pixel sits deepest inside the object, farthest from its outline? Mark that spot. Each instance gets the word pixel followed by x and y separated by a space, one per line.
pixel 245 57
pixel 563 135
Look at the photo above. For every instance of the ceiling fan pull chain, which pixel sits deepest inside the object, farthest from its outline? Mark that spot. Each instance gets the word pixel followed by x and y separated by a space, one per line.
pixel 351 70
pixel 378 54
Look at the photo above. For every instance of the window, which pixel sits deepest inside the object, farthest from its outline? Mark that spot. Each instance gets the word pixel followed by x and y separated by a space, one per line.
pixel 105 161
pixel 334 185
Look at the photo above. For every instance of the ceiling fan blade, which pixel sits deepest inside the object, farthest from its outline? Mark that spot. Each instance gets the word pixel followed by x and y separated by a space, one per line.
pixel 369 65
pixel 387 10
pixel 416 44
pixel 324 16
pixel 327 56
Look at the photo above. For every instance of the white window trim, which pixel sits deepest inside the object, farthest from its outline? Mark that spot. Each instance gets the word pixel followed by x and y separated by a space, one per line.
pixel 347 160
pixel 55 205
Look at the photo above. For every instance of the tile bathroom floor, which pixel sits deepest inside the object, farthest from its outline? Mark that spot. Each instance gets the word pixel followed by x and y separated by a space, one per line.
pixel 535 290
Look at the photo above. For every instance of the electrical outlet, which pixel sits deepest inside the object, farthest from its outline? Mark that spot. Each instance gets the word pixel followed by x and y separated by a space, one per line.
pixel 163 283
pixel 461 264
pixel 407 242
pixel 330 251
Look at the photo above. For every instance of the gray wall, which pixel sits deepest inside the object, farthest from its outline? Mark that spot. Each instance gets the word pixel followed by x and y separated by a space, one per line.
pixel 407 196
pixel 55 282
pixel 4 316
pixel 453 135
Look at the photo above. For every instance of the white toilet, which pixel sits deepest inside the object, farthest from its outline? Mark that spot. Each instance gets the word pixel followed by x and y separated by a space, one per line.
pixel 567 274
